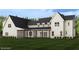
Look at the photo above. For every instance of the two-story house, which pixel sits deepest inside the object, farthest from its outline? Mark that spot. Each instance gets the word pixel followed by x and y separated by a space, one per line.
pixel 57 25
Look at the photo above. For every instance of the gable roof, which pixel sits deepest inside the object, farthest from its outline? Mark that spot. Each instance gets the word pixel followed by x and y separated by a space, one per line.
pixel 44 20
pixel 41 20
pixel 19 22
pixel 68 17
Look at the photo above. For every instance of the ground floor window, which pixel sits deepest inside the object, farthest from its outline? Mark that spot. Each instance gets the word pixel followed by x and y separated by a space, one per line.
pixel 45 34
pixel 26 33
pixel 41 34
pixel 52 33
pixel 61 33
pixel 6 33
pixel 30 33
pixel 35 33
pixel 66 32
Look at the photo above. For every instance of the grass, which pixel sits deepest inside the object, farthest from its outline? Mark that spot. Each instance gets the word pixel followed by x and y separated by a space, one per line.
pixel 38 44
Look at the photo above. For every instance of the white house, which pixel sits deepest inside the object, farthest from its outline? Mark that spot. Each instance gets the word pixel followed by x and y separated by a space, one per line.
pixel 57 25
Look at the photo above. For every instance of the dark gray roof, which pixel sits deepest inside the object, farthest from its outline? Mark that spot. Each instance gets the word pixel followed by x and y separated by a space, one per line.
pixel 68 17
pixel 41 20
pixel 32 22
pixel 19 22
pixel 44 20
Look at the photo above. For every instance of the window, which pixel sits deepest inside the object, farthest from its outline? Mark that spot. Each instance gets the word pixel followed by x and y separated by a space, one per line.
pixel 45 22
pixel 9 25
pixel 68 23
pixel 35 33
pixel 66 32
pixel 41 34
pixel 52 33
pixel 6 33
pixel 30 33
pixel 45 34
pixel 60 33
pixel 50 22
pixel 56 23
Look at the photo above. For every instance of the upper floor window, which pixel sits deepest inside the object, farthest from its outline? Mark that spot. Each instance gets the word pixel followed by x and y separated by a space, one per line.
pixel 66 32
pixel 68 23
pixel 9 25
pixel 50 22
pixel 45 22
pixel 56 23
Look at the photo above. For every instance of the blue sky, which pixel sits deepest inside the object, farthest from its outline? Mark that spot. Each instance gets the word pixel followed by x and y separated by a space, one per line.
pixel 36 13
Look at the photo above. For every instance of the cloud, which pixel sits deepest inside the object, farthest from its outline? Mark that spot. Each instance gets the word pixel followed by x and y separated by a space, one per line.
pixel 64 10
pixel 36 13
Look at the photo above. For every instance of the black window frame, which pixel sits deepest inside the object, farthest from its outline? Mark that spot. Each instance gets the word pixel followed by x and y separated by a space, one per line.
pixel 52 33
pixel 68 23
pixel 61 33
pixel 9 25
pixel 30 33
pixel 56 24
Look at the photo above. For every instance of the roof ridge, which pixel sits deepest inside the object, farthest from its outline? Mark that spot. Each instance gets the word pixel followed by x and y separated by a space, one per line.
pixel 17 17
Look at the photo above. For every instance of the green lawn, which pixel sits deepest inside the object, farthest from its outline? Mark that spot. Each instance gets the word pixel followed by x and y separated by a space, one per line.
pixel 39 44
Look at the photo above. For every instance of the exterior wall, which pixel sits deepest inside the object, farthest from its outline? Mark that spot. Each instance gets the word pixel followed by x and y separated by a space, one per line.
pixel 32 26
pixel 11 31
pixel 70 29
pixel 40 25
pixel 26 33
pixel 35 26
pixel 56 30
pixel 20 33
pixel 74 28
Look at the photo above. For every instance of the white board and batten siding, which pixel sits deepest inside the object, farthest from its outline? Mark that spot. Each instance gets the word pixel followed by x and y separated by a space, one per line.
pixel 69 28
pixel 57 29
pixel 13 30
pixel 66 26
pixel 9 31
